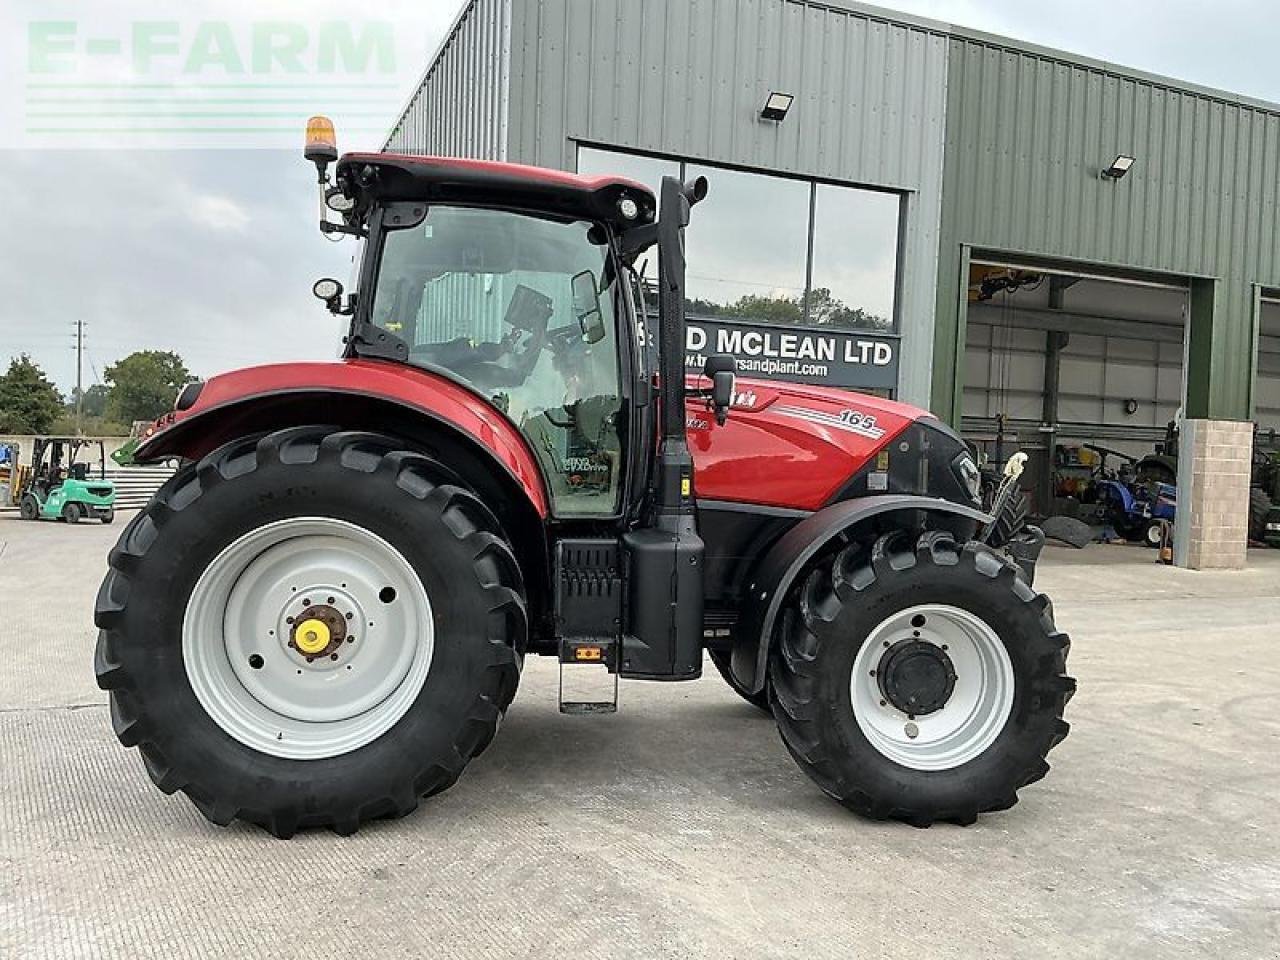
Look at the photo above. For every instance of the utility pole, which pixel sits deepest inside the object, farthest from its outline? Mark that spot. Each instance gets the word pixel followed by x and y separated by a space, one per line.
pixel 79 376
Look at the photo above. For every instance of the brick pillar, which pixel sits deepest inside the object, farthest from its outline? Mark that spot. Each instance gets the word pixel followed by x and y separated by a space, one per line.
pixel 1211 529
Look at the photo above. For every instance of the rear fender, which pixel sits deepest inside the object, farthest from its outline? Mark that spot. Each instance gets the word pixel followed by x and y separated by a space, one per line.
pixel 778 571
pixel 269 397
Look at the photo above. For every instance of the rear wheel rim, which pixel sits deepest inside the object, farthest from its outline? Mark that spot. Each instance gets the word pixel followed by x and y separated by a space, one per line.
pixel 977 704
pixel 308 638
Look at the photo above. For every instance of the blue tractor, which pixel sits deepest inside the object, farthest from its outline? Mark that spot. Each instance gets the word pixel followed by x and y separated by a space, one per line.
pixel 1137 503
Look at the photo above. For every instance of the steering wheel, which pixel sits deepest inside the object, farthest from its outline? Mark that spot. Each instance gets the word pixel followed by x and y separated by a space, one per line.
pixel 508 362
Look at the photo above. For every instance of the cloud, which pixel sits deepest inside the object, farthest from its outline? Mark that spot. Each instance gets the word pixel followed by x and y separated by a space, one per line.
pixel 218 213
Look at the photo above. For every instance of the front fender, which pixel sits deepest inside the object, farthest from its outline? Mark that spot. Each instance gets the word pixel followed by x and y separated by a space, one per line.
pixel 267 397
pixel 777 573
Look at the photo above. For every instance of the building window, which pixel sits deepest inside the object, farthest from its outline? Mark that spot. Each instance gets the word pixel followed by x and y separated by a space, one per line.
pixel 855 258
pixel 748 247
pixel 776 249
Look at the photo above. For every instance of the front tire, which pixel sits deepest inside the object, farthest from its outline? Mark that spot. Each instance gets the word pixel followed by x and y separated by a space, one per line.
pixel 920 681
pixel 721 660
pixel 72 513
pixel 29 508
pixel 206 657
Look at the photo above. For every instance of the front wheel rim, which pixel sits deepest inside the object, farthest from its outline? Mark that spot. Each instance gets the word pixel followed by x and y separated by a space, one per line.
pixel 308 638
pixel 979 697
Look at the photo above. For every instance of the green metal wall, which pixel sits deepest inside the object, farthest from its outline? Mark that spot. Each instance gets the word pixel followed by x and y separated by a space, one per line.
pixel 1027 132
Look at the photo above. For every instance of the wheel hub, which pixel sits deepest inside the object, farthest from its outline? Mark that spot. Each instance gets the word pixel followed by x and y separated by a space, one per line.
pixel 917 677
pixel 320 630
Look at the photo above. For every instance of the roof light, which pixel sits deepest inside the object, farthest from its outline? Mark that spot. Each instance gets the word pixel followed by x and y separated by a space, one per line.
pixel 322 143
pixel 776 107
pixel 1119 167
pixel 628 208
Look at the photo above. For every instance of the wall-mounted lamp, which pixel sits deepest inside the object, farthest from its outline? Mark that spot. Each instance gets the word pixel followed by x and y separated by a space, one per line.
pixel 1119 167
pixel 776 107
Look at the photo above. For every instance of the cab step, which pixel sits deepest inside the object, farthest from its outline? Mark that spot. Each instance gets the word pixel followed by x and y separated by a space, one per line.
pixel 590 668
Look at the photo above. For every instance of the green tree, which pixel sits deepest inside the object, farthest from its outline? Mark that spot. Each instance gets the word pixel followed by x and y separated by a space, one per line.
pixel 143 385
pixel 824 310
pixel 767 309
pixel 29 402
pixel 95 401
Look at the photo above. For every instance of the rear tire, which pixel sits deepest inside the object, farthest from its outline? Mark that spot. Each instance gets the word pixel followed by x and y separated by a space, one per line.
pixel 1259 510
pixel 72 513
pixel 150 659
pixel 944 764
pixel 108 516
pixel 721 660
pixel 29 508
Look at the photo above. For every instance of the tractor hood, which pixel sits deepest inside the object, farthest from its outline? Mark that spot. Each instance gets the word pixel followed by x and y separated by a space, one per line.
pixel 803 447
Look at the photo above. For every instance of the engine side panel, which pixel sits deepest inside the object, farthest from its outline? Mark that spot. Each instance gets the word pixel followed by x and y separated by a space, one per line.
pixel 788 445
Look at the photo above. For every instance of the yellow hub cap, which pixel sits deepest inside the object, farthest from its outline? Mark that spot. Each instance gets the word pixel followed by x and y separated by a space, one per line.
pixel 312 636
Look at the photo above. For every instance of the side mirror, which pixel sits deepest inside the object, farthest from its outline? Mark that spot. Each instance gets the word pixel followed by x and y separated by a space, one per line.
pixel 723 370
pixel 586 307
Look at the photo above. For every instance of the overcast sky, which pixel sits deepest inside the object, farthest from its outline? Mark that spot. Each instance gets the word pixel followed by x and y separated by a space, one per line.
pixel 212 252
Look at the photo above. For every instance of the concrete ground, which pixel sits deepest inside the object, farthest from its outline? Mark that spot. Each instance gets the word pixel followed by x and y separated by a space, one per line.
pixel 678 827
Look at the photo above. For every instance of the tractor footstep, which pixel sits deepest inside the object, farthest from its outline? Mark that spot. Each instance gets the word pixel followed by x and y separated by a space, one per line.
pixel 588 677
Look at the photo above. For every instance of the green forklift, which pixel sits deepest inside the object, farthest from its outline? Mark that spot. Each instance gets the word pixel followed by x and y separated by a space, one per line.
pixel 67 481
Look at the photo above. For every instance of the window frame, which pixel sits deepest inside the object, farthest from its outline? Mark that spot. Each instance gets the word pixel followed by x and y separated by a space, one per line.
pixel 625 347
pixel 813 182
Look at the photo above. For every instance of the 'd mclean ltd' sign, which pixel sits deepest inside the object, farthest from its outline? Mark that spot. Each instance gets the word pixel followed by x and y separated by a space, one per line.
pixel 820 355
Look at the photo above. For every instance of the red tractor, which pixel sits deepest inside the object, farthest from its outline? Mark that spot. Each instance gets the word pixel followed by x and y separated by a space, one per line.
pixel 322 617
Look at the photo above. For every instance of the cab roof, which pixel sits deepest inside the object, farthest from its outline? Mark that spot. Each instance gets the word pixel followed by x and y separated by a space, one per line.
pixel 392 176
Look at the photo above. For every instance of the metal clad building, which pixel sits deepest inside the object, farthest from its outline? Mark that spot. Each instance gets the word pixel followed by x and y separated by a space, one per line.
pixel 1026 131
pixel 939 187
pixel 461 105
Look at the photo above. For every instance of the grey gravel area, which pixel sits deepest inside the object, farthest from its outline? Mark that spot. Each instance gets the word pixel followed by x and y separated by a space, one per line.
pixel 678 827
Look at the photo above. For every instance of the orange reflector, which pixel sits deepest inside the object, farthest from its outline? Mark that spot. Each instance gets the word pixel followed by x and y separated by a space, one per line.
pixel 589 654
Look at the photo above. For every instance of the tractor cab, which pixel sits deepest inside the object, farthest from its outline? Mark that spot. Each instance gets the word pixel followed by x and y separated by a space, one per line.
pixel 67 480
pixel 516 283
